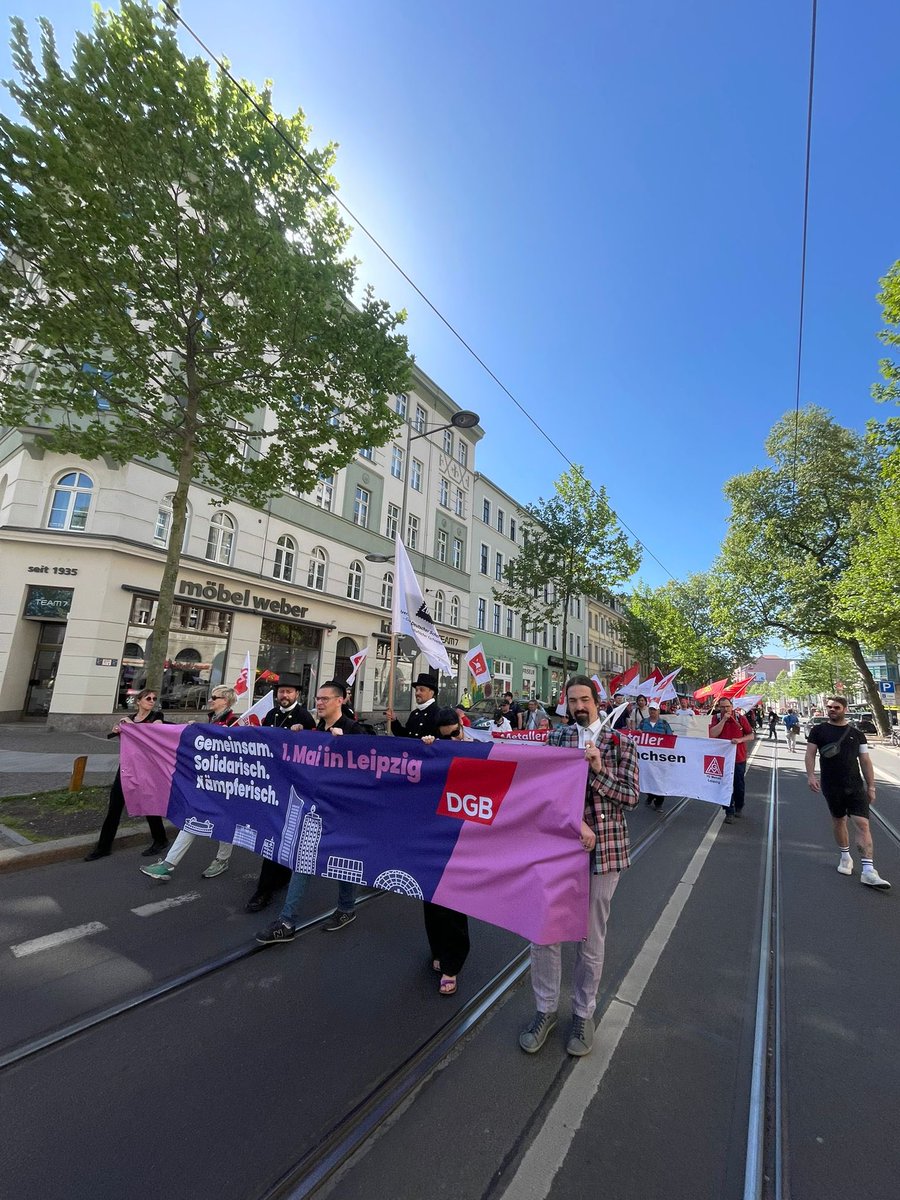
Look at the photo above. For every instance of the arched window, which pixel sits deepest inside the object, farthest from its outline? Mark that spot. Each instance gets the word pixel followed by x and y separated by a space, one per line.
pixel 439 606
pixel 318 567
pixel 355 581
pixel 220 541
pixel 454 611
pixel 71 501
pixel 285 556
pixel 387 590
pixel 163 527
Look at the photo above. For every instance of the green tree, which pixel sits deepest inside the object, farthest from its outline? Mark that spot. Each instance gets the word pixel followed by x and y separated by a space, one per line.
pixel 175 274
pixel 792 530
pixel 571 546
pixel 889 299
pixel 822 669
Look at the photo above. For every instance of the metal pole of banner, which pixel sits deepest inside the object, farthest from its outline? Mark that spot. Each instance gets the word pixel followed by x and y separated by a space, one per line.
pixel 391 672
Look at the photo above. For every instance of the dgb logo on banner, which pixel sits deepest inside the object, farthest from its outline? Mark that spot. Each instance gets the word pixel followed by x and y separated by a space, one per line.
pixel 713 766
pixel 475 789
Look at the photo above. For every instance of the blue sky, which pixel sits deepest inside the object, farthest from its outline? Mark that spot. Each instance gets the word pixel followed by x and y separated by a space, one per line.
pixel 605 199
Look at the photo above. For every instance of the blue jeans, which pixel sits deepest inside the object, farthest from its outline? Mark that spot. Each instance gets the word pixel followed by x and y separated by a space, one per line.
pixel 737 790
pixel 297 890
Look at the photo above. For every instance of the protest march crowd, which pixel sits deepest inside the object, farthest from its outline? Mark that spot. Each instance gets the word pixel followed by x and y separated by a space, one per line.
pixel 643 726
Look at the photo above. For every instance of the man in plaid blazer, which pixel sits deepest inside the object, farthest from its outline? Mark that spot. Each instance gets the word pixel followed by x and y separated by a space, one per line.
pixel 612 787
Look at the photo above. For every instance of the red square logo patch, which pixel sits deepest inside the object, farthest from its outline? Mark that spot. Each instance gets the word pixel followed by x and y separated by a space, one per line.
pixel 714 766
pixel 475 789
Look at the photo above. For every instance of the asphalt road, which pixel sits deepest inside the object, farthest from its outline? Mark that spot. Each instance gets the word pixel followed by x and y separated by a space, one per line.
pixel 217 1088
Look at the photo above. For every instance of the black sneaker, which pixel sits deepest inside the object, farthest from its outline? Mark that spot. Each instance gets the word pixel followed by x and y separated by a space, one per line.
pixel 338 920
pixel 156 849
pixel 278 931
pixel 95 854
pixel 533 1037
pixel 258 902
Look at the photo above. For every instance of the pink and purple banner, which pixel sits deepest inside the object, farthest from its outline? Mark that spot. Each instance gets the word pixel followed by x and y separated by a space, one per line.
pixel 490 830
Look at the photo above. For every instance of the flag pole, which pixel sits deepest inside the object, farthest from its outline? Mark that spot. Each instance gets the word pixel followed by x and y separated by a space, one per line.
pixel 391 667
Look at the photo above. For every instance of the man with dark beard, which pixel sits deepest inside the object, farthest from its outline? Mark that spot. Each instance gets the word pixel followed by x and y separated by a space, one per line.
pixel 612 787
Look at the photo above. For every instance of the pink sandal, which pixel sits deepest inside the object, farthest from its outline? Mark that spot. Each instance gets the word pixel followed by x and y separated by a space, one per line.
pixel 447 985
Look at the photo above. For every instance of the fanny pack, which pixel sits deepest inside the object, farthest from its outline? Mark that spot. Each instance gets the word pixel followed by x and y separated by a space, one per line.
pixel 833 748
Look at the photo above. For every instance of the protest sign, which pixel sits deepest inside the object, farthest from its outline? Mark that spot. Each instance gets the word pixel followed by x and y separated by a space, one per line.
pixel 491 830
pixel 702 768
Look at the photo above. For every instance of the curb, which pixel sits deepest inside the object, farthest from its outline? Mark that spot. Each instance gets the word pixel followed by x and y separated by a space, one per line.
pixel 39 854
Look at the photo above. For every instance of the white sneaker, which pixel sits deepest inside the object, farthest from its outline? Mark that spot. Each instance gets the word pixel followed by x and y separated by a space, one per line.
pixel 845 866
pixel 216 867
pixel 873 879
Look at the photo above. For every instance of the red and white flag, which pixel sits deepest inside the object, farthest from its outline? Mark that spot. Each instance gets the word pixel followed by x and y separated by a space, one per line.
pixel 477 664
pixel 242 683
pixel 619 683
pixel 601 690
pixel 257 712
pixel 664 689
pixel 357 660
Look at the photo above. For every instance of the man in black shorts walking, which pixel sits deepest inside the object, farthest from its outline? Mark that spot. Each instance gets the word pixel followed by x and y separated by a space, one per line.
pixel 843 754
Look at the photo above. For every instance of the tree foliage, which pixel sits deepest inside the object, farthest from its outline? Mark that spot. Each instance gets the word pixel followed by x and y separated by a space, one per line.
pixel 792 531
pixel 889 299
pixel 673 626
pixel 825 669
pixel 174 272
pixel 571 546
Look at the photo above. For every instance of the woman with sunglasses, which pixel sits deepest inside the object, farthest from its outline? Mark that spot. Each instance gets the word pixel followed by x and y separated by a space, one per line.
pixel 145 710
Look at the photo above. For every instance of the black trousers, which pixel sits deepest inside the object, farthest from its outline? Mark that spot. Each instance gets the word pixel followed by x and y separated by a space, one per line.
pixel 448 936
pixel 272 876
pixel 114 816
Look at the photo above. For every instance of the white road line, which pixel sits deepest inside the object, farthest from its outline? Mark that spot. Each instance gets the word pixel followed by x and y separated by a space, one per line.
pixel 547 1153
pixel 150 910
pixel 23 949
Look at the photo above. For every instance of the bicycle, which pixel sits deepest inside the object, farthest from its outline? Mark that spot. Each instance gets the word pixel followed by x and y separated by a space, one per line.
pixel 895 737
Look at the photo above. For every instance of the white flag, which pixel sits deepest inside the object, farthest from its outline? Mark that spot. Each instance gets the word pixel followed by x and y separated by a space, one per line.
pixel 411 616
pixel 601 690
pixel 664 689
pixel 357 660
pixel 477 664
pixel 242 683
pixel 261 709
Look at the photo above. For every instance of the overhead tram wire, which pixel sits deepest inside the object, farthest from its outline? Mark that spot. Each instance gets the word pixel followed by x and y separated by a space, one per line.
pixel 809 116
pixel 397 267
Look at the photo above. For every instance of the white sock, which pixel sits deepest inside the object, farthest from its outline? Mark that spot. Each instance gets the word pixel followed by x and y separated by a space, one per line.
pixel 868 864
pixel 845 851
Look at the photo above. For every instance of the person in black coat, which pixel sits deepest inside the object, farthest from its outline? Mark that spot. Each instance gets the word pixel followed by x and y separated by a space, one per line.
pixel 288 713
pixel 422 721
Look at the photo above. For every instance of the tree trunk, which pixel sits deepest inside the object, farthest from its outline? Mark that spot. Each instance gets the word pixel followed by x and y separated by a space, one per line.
pixel 882 720
pixel 185 470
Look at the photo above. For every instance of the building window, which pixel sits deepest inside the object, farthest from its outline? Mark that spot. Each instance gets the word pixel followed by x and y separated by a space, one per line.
pixel 462 452
pixel 220 541
pixel 355 581
pixel 571 642
pixel 412 532
pixel 498 567
pixel 512 529
pixel 459 506
pixel 421 418
pixel 241 444
pixel 367 452
pixel 325 492
pixel 509 622
pixel 439 606
pixel 486 511
pixel 393 521
pixel 318 566
pixel 442 545
pixel 361 506
pixel 396 462
pixel 400 406
pixel 444 493
pixel 482 612
pixel 553 645
pixel 163 527
pixel 285 556
pixel 496 619
pixel 71 501
pixel 415 476
pixel 448 442
pixel 577 645
pixel 546 635
pixel 501 520
pixel 485 553
pixel 458 553
pixel 387 590
pixel 454 611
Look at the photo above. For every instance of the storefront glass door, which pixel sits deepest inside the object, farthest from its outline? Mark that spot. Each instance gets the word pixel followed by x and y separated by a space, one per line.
pixel 44 668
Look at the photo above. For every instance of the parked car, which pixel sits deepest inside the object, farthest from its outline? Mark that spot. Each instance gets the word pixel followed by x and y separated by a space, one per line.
pixel 811 722
pixel 864 722
pixel 186 695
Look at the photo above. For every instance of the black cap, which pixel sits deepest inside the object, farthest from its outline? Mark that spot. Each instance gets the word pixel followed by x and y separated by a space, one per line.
pixel 424 680
pixel 286 679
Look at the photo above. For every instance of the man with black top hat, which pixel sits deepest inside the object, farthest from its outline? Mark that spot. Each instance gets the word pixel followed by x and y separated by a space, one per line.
pixel 288 713
pixel 422 721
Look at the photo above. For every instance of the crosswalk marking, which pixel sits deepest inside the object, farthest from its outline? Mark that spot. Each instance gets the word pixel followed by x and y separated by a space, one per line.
pixel 150 910
pixel 51 940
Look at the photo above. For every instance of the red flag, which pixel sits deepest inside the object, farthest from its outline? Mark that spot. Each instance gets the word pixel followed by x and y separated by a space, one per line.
pixel 711 689
pixel 655 676
pixel 738 689
pixel 242 683
pixel 626 677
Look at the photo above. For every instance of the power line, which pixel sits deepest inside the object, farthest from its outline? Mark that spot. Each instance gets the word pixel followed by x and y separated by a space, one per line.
pixel 396 265
pixel 809 116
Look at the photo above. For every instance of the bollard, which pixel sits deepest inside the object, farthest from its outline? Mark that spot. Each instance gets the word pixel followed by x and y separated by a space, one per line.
pixel 78 768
